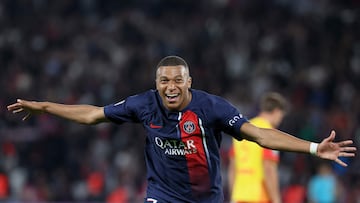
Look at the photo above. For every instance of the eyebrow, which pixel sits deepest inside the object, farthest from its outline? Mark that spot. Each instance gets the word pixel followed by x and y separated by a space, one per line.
pixel 177 76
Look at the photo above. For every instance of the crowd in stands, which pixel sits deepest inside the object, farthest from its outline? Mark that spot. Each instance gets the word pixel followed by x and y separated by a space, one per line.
pixel 99 52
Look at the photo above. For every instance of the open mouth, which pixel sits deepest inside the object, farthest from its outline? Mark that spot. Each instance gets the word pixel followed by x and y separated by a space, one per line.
pixel 172 97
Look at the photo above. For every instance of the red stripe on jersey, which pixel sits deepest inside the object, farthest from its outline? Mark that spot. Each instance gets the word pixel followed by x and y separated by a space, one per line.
pixel 197 164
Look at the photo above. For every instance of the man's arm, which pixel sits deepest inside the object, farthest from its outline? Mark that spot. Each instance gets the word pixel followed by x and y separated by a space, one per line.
pixel 272 180
pixel 275 139
pixel 85 114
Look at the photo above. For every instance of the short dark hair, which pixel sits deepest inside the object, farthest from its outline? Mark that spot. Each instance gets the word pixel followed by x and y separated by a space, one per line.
pixel 172 61
pixel 273 100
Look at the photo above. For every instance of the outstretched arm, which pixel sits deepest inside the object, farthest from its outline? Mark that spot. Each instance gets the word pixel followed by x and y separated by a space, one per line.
pixel 85 114
pixel 275 139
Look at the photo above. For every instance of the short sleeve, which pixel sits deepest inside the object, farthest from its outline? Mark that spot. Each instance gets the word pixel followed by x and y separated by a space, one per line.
pixel 230 118
pixel 123 111
pixel 272 155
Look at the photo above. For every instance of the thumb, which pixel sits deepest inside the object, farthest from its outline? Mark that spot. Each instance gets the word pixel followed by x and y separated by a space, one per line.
pixel 20 101
pixel 331 137
pixel 23 102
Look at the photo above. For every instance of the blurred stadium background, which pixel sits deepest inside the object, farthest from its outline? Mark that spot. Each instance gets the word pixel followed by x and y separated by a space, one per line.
pixel 98 52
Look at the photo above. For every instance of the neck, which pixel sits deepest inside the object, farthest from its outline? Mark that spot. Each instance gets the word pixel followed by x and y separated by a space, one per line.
pixel 267 116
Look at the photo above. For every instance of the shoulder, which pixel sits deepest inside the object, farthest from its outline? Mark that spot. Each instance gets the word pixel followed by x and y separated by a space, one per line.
pixel 142 97
pixel 137 104
pixel 205 97
pixel 137 100
pixel 147 94
pixel 214 106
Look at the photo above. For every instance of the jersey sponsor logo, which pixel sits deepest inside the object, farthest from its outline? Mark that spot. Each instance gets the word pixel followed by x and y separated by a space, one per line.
pixel 234 119
pixel 189 127
pixel 155 126
pixel 176 147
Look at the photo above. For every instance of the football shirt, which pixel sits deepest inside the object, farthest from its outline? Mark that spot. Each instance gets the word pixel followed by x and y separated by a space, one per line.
pixel 182 148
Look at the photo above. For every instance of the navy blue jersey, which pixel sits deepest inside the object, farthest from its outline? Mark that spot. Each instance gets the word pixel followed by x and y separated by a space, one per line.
pixel 182 148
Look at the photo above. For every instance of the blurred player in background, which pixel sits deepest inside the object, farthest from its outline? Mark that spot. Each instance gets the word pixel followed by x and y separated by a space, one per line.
pixel 323 187
pixel 253 170
pixel 183 132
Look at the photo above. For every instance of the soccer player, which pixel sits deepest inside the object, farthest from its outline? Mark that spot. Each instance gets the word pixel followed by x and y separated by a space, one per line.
pixel 253 170
pixel 183 133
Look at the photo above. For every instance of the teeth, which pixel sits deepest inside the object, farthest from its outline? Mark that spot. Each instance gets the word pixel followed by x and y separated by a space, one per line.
pixel 172 95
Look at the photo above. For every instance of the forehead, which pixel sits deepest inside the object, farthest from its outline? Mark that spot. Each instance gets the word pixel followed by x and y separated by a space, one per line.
pixel 172 71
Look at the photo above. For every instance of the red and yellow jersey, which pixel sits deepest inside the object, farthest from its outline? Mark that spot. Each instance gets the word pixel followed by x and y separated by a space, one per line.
pixel 248 158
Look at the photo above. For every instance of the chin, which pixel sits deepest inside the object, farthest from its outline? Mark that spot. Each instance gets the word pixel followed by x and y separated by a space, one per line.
pixel 173 107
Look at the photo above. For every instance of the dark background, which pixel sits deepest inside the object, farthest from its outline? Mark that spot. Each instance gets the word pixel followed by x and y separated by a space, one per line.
pixel 99 52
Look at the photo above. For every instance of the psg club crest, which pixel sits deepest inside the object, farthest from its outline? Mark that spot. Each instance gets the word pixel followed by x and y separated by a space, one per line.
pixel 189 127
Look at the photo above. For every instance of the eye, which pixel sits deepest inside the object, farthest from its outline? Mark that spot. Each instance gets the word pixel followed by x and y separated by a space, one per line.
pixel 179 80
pixel 164 81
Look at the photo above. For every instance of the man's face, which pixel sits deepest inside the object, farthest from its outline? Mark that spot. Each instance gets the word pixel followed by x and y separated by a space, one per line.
pixel 173 83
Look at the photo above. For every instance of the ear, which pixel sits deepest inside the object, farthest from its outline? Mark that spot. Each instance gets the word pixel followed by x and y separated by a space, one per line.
pixel 189 82
pixel 156 84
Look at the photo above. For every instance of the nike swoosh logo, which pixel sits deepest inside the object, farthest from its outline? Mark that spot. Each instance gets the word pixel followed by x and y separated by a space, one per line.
pixel 155 126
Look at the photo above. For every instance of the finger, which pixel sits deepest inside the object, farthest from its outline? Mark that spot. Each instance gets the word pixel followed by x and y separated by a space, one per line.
pixel 346 142
pixel 348 149
pixel 27 116
pixel 13 106
pixel 346 154
pixel 331 136
pixel 18 103
pixel 340 162
pixel 18 110
pixel 9 107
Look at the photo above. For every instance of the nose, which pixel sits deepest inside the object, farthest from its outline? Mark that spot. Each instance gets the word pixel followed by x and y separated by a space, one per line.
pixel 171 85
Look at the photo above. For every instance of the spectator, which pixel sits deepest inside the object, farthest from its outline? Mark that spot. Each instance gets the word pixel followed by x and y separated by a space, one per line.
pixel 322 186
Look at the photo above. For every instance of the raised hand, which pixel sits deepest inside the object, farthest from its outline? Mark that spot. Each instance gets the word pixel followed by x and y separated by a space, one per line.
pixel 328 149
pixel 30 107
